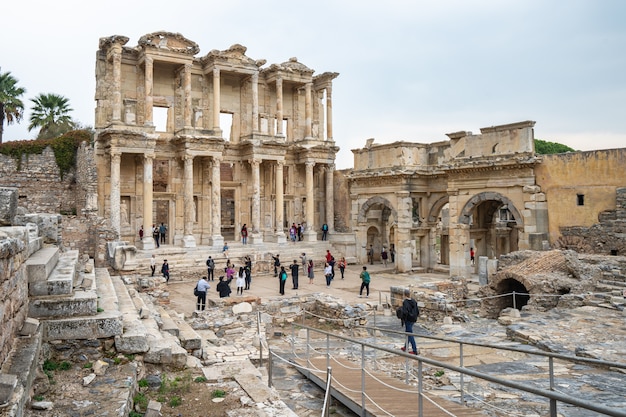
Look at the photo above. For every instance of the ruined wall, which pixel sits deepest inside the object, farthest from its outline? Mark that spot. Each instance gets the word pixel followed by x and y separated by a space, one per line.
pixel 592 177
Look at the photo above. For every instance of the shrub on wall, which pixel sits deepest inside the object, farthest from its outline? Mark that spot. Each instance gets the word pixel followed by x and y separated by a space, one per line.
pixel 64 148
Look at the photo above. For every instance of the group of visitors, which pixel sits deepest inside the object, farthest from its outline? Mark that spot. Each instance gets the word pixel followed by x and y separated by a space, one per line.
pixel 158 234
pixel 384 255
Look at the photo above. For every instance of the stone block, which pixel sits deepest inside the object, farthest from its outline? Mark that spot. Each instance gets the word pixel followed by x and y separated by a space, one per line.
pixel 154 409
pixel 29 327
pixel 8 205
pixel 7 386
pixel 41 264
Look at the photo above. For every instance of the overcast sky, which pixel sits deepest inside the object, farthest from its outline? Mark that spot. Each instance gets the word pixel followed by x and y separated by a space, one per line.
pixel 409 70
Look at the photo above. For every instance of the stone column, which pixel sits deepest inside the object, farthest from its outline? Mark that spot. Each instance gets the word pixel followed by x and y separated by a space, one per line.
pixel 280 233
pixel 308 117
pixel 116 56
pixel 204 208
pixel 404 260
pixel 189 241
pixel 329 113
pixel 217 240
pixel 148 240
pixel 187 92
pixel 256 236
pixel 330 197
pixel 310 234
pixel 279 107
pixel 148 68
pixel 255 103
pixel 116 159
pixel 216 99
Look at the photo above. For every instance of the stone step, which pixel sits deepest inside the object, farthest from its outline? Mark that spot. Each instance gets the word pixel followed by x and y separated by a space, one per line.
pixel 134 339
pixel 163 347
pixel 189 338
pixel 87 315
pixel 40 264
pixel 61 279
pixel 166 323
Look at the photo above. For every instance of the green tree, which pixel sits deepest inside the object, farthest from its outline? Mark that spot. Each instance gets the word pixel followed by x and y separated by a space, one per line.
pixel 50 113
pixel 11 107
pixel 543 147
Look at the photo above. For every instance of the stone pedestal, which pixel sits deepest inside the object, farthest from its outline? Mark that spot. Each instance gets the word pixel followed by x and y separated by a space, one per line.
pixel 310 236
pixel 147 243
pixel 482 270
pixel 255 238
pixel 190 241
pixel 217 241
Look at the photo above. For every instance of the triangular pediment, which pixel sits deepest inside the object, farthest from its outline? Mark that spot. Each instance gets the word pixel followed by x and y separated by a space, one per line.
pixel 168 41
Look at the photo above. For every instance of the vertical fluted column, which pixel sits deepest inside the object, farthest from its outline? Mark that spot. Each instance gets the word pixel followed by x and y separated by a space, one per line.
pixel 216 203
pixel 204 206
pixel 279 198
pixel 148 241
pixel 148 85
pixel 187 89
pixel 308 109
pixel 329 113
pixel 279 107
pixel 256 196
pixel 216 99
pixel 330 197
pixel 116 51
pixel 255 103
pixel 189 240
pixel 310 232
pixel 116 159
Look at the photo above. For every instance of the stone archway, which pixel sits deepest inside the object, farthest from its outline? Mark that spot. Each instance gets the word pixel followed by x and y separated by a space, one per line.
pixel 376 217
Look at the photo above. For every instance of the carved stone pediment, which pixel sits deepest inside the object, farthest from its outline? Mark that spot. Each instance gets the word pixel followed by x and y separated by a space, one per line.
pixel 291 66
pixel 236 54
pixel 106 42
pixel 173 42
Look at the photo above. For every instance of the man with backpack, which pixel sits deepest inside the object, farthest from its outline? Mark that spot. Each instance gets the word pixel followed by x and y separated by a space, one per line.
pixel 210 268
pixel 408 314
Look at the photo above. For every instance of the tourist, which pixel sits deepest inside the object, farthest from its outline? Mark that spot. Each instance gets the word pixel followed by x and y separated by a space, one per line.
pixel 309 271
pixel 276 264
pixel 210 268
pixel 383 256
pixel 342 266
pixel 472 253
pixel 392 253
pixel 294 273
pixel 365 282
pixel 324 231
pixel 304 261
pixel 162 231
pixel 299 232
pixel 293 232
pixel 155 235
pixel 225 249
pixel 328 273
pixel 153 264
pixel 223 287
pixel 165 270
pixel 329 256
pixel 141 233
pixel 241 280
pixel 370 255
pixel 244 234
pixel 202 286
pixel 248 271
pixel 408 314
pixel 230 271
pixel 282 278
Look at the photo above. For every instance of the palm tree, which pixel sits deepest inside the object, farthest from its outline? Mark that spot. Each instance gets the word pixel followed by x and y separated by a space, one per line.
pixel 51 114
pixel 11 107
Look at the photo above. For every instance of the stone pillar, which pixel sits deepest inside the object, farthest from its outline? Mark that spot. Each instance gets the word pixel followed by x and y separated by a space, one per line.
pixel 308 117
pixel 255 104
pixel 148 68
pixel 116 57
pixel 148 240
pixel 279 107
pixel 217 240
pixel 256 236
pixel 329 113
pixel 404 259
pixel 216 99
pixel 330 197
pixel 280 233
pixel 116 159
pixel 310 234
pixel 187 111
pixel 204 206
pixel 189 241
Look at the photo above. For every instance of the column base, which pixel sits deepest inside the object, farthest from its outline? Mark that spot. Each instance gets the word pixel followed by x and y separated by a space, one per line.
pixel 279 237
pixel 217 241
pixel 147 243
pixel 255 238
pixel 310 236
pixel 189 241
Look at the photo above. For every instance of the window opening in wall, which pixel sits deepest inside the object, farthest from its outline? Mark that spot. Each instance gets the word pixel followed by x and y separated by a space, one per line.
pixel 580 199
pixel 226 124
pixel 159 118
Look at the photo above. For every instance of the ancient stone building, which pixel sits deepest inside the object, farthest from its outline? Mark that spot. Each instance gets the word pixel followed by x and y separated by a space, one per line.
pixel 206 144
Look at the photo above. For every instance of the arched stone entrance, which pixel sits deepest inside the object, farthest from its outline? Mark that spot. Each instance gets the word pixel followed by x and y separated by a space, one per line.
pixel 376 218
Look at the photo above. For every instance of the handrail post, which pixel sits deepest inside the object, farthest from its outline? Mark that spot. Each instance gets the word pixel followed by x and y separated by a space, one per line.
pixel 406 360
pixel 258 329
pixel 420 401
pixel 374 334
pixel 327 350
pixel 514 302
pixel 326 408
pixel 308 344
pixel 269 369
pixel 552 400
pixel 363 410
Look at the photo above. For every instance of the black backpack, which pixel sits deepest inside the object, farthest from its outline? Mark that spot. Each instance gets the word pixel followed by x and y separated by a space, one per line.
pixel 409 311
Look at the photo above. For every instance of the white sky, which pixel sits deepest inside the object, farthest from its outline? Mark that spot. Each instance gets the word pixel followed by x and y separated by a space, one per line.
pixel 410 70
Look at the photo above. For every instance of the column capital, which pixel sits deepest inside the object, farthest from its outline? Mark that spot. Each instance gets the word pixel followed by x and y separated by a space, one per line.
pixel 116 156
pixel 280 162
pixel 216 72
pixel 255 161
pixel 330 167
pixel 309 164
pixel 149 156
pixel 218 159
pixel 187 157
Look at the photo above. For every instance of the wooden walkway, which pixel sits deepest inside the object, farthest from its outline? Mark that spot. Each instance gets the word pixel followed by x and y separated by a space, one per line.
pixel 389 394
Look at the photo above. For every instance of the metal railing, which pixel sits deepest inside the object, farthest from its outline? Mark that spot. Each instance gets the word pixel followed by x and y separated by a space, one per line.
pixel 552 396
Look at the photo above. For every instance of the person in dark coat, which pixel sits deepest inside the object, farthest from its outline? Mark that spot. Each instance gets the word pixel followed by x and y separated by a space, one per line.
pixel 165 270
pixel 294 273
pixel 282 278
pixel 223 287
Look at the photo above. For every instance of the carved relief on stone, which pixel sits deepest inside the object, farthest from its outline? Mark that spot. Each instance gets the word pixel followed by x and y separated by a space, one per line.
pixel 174 42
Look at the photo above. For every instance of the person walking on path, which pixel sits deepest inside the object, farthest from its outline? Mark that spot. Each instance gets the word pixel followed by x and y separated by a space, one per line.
pixel 202 286
pixel 282 278
pixel 210 269
pixel 241 280
pixel 223 287
pixel 294 273
pixel 365 283
pixel 370 255
pixel 244 234
pixel 276 264
pixel 383 256
pixel 162 231
pixel 165 270
pixel 155 235
pixel 328 273
pixel 248 271
pixel 342 266
pixel 153 264
pixel 309 271
pixel 408 314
